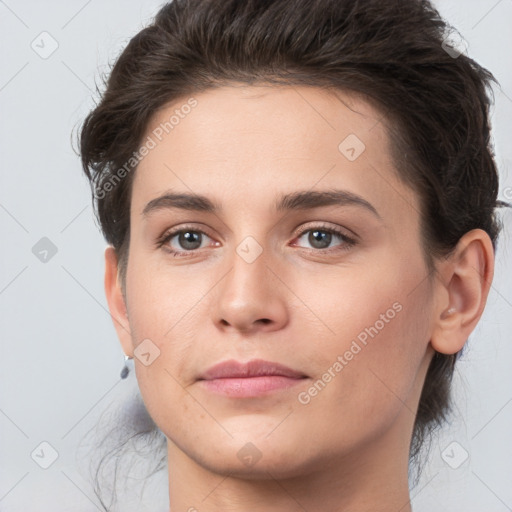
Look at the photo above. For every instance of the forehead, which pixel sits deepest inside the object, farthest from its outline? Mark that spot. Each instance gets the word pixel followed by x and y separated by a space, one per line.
pixel 292 121
pixel 247 142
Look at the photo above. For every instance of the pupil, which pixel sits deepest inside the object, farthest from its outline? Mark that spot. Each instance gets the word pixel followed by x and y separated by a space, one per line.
pixel 320 236
pixel 189 238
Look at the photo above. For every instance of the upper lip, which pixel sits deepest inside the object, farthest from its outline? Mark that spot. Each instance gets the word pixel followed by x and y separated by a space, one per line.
pixel 255 368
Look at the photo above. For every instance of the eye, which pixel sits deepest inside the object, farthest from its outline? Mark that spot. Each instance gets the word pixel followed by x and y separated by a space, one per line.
pixel 182 241
pixel 320 238
pixel 186 241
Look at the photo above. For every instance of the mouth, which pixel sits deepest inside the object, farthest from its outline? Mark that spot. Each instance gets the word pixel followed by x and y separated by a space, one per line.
pixel 254 378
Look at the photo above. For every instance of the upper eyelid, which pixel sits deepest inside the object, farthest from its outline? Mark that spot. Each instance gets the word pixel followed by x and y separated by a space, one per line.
pixel 339 230
pixel 320 226
pixel 175 231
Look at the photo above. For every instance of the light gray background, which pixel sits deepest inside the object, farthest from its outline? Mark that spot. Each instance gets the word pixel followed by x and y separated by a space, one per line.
pixel 60 358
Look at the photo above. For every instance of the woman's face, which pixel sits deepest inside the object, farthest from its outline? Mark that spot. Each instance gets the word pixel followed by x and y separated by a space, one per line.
pixel 333 287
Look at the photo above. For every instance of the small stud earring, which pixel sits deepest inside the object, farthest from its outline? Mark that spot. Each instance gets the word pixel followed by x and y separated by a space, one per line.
pixel 125 371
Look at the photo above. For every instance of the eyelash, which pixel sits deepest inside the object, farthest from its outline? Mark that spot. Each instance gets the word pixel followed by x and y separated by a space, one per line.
pixel 348 242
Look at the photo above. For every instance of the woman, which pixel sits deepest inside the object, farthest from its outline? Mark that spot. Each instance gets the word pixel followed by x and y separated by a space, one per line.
pixel 299 199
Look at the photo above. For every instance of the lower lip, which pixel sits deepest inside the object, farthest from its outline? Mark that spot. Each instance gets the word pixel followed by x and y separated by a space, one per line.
pixel 249 386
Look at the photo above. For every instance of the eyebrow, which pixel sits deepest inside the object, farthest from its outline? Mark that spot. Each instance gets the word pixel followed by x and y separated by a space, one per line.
pixel 301 200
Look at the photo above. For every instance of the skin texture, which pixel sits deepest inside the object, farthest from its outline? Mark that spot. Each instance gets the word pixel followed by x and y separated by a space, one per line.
pixel 297 303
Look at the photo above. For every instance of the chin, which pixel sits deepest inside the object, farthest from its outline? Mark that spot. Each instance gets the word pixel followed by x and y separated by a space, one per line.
pixel 257 460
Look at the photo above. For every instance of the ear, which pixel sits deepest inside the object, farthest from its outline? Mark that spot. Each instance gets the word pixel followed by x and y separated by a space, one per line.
pixel 466 278
pixel 116 303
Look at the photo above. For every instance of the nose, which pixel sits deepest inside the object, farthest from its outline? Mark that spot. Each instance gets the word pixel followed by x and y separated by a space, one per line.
pixel 251 297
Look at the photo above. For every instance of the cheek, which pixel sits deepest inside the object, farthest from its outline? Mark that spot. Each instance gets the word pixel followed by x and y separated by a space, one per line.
pixel 156 310
pixel 367 366
pixel 159 299
pixel 378 304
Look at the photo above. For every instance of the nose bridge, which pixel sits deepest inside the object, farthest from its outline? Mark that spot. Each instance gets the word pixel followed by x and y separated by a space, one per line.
pixel 249 253
pixel 249 294
pixel 249 276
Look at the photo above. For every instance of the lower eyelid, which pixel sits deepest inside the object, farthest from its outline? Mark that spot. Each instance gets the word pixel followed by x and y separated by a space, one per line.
pixel 345 240
pixel 171 236
pixel 166 239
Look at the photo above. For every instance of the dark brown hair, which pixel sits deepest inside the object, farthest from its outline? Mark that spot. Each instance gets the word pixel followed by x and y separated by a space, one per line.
pixel 394 54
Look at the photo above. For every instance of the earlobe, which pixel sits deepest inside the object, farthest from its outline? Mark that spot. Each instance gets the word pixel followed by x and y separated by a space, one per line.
pixel 116 302
pixel 467 276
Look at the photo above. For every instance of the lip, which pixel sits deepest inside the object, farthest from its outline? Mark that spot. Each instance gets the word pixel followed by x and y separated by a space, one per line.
pixel 251 379
pixel 232 369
